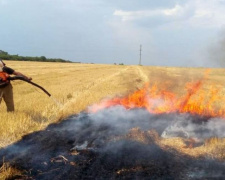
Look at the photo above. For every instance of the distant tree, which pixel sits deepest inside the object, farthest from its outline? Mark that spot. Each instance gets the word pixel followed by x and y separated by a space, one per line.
pixel 3 52
pixel 43 58
pixel 5 56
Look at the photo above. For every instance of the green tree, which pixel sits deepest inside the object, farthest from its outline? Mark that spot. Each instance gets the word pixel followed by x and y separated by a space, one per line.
pixel 3 52
pixel 43 58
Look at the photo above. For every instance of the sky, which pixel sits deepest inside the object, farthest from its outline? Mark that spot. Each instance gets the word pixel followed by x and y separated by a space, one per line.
pixel 187 33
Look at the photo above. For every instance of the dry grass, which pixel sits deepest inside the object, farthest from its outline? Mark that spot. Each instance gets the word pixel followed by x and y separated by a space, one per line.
pixel 8 172
pixel 76 86
pixel 215 147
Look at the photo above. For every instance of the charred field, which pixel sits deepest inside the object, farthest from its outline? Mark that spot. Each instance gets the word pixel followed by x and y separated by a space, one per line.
pixel 117 143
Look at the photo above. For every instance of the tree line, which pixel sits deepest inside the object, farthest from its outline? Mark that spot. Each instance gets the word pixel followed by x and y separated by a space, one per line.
pixel 5 56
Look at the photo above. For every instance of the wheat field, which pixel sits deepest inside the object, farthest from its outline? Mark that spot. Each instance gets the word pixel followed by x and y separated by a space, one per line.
pixel 75 86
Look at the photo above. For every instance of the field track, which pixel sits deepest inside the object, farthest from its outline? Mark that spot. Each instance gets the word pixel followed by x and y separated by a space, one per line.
pixel 142 75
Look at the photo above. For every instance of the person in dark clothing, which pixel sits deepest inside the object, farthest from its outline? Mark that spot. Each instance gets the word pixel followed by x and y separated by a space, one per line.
pixel 6 89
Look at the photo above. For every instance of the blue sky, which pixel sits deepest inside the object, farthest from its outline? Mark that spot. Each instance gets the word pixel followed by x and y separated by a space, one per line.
pixel 172 32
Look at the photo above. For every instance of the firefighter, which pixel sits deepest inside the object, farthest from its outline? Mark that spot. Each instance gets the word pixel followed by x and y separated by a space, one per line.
pixel 6 89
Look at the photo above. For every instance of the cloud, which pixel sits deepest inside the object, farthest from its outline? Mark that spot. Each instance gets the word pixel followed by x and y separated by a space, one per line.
pixel 174 11
pixel 135 15
pixel 194 13
pixel 169 32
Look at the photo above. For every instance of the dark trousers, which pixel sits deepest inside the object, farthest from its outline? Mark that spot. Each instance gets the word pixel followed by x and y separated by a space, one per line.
pixel 6 93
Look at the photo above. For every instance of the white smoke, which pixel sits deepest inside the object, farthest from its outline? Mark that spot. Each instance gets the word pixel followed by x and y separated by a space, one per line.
pixel 187 128
pixel 118 120
pixel 216 51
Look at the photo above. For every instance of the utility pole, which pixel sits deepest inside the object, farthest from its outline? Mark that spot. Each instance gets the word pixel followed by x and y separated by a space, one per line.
pixel 140 56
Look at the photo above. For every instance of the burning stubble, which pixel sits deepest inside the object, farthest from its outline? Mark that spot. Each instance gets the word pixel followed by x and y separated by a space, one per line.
pixel 197 100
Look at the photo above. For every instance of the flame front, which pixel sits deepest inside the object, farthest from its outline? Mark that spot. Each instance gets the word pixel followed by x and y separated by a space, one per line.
pixel 197 100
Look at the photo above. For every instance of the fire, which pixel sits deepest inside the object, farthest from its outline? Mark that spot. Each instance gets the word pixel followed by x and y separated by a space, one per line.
pixel 196 100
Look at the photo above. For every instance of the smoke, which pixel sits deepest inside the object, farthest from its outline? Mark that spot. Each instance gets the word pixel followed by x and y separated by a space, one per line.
pixel 189 127
pixel 217 50
pixel 121 120
pixel 114 143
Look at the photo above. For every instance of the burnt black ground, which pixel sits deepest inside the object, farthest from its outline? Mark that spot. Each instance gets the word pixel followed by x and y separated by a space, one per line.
pixel 49 154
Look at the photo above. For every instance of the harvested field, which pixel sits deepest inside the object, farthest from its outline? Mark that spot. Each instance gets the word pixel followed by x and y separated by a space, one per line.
pixel 93 128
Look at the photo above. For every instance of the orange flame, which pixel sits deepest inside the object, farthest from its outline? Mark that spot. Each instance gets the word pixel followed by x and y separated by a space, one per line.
pixel 196 100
